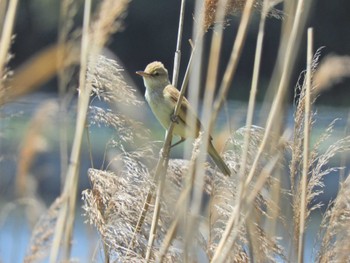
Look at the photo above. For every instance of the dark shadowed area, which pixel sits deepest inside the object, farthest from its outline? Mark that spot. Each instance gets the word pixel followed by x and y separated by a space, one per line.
pixel 150 34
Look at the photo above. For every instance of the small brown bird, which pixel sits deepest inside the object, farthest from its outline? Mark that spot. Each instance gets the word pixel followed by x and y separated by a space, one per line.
pixel 162 98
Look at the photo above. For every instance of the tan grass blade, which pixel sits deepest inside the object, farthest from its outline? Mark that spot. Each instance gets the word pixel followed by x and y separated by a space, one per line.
pixel 306 152
pixel 6 36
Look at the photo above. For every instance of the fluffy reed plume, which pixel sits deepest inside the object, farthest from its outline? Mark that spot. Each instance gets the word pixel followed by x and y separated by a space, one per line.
pixel 234 7
pixel 116 198
pixel 108 82
pixel 299 114
pixel 332 70
pixel 117 195
pixel 253 240
pixel 335 225
pixel 109 85
pixel 95 34
pixel 318 163
pixel 128 129
pixel 42 234
pixel 317 171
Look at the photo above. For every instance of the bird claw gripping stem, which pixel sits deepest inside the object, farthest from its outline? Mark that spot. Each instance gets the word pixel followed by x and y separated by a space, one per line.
pixel 174 118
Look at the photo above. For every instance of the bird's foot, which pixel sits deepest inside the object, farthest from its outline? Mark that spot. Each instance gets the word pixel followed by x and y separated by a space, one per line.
pixel 174 118
pixel 162 154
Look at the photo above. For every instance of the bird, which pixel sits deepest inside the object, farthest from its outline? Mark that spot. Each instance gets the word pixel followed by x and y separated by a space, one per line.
pixel 162 98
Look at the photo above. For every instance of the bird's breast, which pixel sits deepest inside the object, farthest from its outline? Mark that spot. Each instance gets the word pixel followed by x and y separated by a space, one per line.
pixel 161 107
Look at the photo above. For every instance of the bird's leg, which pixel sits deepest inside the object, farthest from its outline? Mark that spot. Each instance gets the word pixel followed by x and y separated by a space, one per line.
pixel 174 118
pixel 180 141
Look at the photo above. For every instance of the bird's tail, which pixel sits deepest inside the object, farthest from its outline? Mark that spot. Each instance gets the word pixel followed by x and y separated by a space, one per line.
pixel 218 160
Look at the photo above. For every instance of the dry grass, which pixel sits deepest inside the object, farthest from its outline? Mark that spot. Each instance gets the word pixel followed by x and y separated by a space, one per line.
pixel 147 207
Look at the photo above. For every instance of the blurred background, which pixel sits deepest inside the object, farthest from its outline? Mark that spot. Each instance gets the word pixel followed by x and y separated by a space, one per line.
pixel 149 34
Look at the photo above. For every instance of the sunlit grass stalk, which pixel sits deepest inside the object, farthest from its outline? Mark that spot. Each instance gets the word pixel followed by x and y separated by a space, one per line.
pixel 181 210
pixel 164 158
pixel 177 57
pixel 233 61
pixel 286 70
pixel 229 236
pixel 254 87
pixel 342 176
pixel 250 111
pixel 210 84
pixel 65 25
pixel 155 218
pixel 67 214
pixel 306 151
pixel 3 5
pixel 6 36
pixel 234 219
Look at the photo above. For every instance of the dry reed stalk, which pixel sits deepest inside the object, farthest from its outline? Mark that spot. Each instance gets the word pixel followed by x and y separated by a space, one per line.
pixel 199 176
pixel 281 88
pixel 155 218
pixel 68 12
pixel 306 146
pixel 163 160
pixel 251 105
pixel 92 43
pixel 294 24
pixel 162 163
pixel 180 207
pixel 254 85
pixel 344 156
pixel 299 114
pixel 6 37
pixel 63 229
pixel 229 236
pixel 233 61
pixel 317 161
pixel 7 23
pixel 166 146
pixel 177 57
pixel 3 5
pixel 234 220
pixel 233 7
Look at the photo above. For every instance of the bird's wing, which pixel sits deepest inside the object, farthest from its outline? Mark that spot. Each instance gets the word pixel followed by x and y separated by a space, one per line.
pixel 185 108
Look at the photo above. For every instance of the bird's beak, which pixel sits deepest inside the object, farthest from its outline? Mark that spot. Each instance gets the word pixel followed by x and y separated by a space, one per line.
pixel 142 73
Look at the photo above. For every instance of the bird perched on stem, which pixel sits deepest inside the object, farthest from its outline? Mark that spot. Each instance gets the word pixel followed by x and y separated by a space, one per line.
pixel 162 98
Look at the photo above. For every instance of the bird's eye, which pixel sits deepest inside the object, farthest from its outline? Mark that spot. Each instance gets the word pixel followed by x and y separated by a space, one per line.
pixel 155 73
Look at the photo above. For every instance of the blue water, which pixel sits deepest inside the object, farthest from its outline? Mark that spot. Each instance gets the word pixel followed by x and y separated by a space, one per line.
pixel 15 238
pixel 15 230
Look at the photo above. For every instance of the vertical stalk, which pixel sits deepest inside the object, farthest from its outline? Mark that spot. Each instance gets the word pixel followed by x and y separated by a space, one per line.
pixel 177 57
pixel 304 179
pixel 254 87
pixel 6 36
pixel 286 70
pixel 251 106
pixel 163 161
pixel 65 221
pixel 233 61
pixel 211 78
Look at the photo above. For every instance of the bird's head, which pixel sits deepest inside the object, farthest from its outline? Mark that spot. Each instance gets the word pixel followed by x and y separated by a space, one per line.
pixel 155 76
